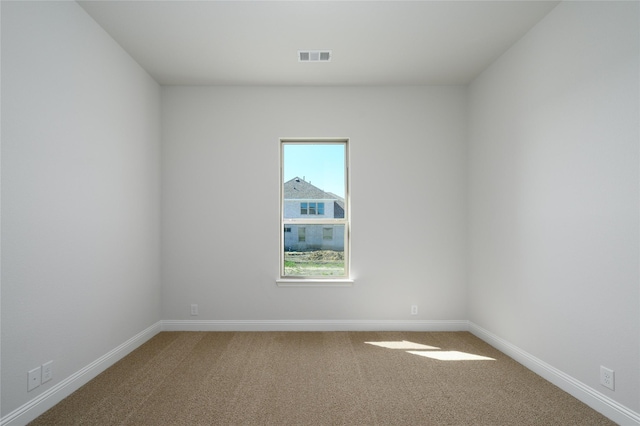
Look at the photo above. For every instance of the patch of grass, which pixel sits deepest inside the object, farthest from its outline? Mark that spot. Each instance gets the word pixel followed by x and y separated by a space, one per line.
pixel 314 263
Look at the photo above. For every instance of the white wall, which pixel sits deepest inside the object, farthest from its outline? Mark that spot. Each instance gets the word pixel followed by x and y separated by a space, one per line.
pixel 221 180
pixel 554 208
pixel 80 195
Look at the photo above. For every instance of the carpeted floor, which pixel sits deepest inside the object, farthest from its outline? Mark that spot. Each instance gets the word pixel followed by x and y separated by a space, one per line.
pixel 318 378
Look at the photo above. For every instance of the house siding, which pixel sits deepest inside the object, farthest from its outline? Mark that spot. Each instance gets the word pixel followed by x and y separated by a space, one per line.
pixel 314 238
pixel 298 191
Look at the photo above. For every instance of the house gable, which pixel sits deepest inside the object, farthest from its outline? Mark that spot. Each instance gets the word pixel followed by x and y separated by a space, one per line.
pixel 299 189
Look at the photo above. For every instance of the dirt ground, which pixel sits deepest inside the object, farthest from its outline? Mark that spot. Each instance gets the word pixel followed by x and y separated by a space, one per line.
pixel 314 263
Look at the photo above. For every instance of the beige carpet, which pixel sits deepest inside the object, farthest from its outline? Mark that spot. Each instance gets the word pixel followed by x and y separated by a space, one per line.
pixel 318 378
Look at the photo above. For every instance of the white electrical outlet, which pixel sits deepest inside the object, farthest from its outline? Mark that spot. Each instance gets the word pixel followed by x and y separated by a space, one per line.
pixel 607 378
pixel 34 377
pixel 47 371
pixel 414 309
pixel 194 309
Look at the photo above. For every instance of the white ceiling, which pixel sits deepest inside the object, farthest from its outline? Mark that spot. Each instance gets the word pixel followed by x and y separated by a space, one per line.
pixel 372 42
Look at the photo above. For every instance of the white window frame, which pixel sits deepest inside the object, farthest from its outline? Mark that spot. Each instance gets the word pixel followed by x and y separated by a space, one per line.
pixel 314 281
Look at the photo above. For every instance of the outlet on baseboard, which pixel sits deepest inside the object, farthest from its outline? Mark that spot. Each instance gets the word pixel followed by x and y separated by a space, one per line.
pixel 47 371
pixel 194 309
pixel 34 378
pixel 607 378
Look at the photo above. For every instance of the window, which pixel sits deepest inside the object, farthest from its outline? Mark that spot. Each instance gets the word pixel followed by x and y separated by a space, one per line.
pixel 314 209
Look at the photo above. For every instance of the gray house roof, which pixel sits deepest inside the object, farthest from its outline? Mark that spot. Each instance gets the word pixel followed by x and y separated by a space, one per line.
pixel 299 189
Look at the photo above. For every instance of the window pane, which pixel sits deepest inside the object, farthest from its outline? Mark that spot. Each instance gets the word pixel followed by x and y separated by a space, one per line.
pixel 327 234
pixel 321 208
pixel 313 171
pixel 316 256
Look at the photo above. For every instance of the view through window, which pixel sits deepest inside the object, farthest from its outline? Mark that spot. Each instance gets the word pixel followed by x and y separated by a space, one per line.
pixel 314 209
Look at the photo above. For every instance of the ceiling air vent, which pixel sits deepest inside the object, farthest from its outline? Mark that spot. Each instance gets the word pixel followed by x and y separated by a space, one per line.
pixel 314 55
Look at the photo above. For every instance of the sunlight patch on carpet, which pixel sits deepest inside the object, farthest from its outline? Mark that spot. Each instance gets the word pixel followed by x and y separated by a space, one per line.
pixel 404 344
pixel 430 351
pixel 451 356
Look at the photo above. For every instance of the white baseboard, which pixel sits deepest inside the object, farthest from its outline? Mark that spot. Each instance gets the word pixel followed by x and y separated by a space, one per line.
pixel 41 403
pixel 314 325
pixel 594 399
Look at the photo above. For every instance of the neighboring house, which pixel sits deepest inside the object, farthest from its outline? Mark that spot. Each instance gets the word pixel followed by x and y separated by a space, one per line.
pixel 305 201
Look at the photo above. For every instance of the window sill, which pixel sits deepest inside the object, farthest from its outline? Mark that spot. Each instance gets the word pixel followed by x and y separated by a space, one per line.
pixel 314 282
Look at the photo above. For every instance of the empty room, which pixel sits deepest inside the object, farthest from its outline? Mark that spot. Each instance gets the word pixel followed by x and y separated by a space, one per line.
pixel 320 212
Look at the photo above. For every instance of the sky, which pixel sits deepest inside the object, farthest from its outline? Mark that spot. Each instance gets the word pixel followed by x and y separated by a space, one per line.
pixel 322 165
